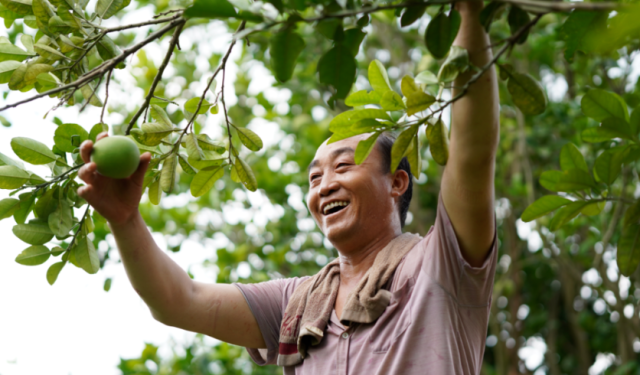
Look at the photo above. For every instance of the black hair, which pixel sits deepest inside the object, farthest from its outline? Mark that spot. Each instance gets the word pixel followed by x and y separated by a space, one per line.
pixel 385 143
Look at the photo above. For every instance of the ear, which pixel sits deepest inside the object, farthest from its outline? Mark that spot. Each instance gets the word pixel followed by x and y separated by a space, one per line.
pixel 399 183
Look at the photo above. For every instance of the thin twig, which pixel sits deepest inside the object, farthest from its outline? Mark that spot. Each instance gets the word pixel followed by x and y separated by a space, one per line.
pixel 146 23
pixel 106 96
pixel 158 77
pixel 101 69
pixel 168 12
pixel 226 116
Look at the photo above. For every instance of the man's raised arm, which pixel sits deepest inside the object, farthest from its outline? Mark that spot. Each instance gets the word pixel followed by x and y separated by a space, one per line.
pixel 467 184
pixel 217 310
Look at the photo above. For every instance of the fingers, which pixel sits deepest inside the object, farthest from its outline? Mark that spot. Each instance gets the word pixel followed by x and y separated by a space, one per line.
pixel 101 135
pixel 85 150
pixel 138 176
pixel 88 173
pixel 87 193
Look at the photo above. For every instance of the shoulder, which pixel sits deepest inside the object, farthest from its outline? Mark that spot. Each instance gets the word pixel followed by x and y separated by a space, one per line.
pixel 411 264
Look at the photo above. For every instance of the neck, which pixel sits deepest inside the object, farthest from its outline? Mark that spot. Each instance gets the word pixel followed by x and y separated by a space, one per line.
pixel 355 261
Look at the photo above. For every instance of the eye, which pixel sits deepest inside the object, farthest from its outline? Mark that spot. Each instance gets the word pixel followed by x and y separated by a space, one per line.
pixel 343 164
pixel 313 177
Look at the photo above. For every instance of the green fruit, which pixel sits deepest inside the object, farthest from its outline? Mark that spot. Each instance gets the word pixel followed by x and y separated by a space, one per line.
pixel 116 157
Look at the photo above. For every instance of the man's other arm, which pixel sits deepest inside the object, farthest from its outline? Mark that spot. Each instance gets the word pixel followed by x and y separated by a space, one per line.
pixel 217 310
pixel 468 181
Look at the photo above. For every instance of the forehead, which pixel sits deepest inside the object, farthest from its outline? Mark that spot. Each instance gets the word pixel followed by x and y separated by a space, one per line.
pixel 326 152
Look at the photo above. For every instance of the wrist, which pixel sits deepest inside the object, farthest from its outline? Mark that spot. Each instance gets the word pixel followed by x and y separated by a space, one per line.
pixel 131 222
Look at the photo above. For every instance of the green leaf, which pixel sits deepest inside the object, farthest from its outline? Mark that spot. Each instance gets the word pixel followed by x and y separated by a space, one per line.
pixel 365 147
pixel 550 179
pixel 441 32
pixel 8 206
pixel 107 284
pixel 400 146
pixel 362 97
pixel 88 92
pixel 593 209
pixel 526 93
pixel 571 157
pixel 575 179
pixel 6 70
pixel 33 233
pixel 12 177
pixel 86 255
pixel 610 128
pixel 329 27
pixel 211 9
pixel 566 214
pixel 154 133
pixel 186 167
pixel 33 255
pixel 207 144
pixel 284 48
pixel 517 19
pixel 204 180
pixel 249 139
pixel 408 86
pixel 32 151
pixel 22 7
pixel 600 105
pixel 543 206
pixel 168 174
pixel 11 52
pixel 107 49
pixel 61 220
pixel 16 80
pixel 392 101
pixel 193 148
pixel 48 52
pixel 192 104
pixel 438 142
pixel 63 134
pixel 634 122
pixel 107 8
pixel 488 14
pixel 632 216
pixel 412 14
pixel 413 156
pixel 353 39
pixel 96 130
pixel 457 62
pixel 576 27
pixel 155 192
pixel 418 101
pixel 246 175
pixel 628 256
pixel 27 201
pixel 54 271
pixel 360 127
pixel 47 203
pixel 426 78
pixel 214 110
pixel 337 68
pixel 160 115
pixel 378 78
pixel 609 165
pixel 348 118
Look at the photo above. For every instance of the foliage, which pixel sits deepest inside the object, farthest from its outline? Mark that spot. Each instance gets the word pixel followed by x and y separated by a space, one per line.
pixel 403 73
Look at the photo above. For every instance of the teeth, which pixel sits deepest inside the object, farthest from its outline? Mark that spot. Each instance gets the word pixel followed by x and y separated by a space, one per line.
pixel 332 205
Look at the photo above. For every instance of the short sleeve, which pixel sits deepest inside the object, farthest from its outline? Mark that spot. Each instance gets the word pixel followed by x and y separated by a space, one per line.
pixel 268 301
pixel 470 286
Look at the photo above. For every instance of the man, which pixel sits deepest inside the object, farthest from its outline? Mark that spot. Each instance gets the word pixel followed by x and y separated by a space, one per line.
pixel 391 302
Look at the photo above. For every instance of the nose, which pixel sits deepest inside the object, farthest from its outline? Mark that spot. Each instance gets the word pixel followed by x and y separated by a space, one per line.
pixel 328 186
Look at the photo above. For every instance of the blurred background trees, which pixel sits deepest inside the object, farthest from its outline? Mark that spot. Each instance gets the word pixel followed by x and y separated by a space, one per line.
pixel 560 303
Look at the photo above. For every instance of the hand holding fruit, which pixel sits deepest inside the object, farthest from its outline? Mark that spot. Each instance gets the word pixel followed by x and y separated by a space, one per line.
pixel 116 197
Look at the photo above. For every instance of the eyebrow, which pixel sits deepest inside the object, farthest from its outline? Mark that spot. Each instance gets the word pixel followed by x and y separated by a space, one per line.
pixel 334 154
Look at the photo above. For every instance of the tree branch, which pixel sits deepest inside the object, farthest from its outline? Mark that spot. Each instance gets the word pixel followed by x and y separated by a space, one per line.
pixel 158 77
pixel 101 69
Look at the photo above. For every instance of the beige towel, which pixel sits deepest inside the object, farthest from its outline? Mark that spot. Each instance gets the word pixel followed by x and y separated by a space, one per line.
pixel 310 306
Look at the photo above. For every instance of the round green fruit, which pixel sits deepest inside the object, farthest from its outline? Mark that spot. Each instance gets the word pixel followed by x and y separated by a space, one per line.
pixel 116 156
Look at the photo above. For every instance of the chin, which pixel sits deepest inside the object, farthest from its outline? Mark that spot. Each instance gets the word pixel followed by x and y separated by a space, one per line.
pixel 339 233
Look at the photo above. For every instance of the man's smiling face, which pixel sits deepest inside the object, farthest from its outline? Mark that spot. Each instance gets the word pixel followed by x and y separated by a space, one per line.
pixel 352 202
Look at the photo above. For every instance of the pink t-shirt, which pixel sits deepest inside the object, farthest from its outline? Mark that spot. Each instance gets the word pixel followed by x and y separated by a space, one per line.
pixel 436 322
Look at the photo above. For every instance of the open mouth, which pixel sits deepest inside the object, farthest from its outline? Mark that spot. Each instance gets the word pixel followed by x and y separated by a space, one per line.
pixel 334 207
